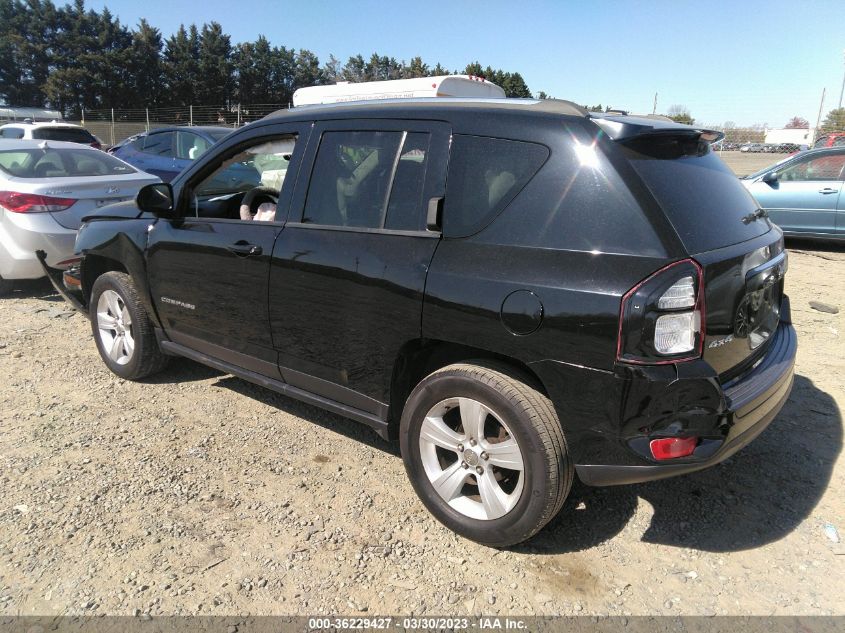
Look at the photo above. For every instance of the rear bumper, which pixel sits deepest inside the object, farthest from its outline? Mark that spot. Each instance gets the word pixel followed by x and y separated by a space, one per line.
pixel 751 403
pixel 22 234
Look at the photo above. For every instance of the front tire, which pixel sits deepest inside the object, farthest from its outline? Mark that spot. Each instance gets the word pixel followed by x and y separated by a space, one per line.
pixel 485 453
pixel 122 328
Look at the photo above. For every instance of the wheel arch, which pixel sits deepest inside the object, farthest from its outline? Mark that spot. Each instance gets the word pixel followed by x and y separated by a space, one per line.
pixel 420 357
pixel 107 247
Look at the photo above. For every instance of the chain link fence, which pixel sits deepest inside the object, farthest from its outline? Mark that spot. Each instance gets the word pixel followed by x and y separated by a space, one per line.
pixel 113 125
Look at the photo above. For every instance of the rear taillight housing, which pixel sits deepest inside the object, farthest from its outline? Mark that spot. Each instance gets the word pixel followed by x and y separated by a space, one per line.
pixel 33 202
pixel 661 319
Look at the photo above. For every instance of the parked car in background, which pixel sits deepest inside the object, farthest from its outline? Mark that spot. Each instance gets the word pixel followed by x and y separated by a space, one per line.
pixel 46 188
pixel 52 131
pixel 753 148
pixel 803 193
pixel 514 289
pixel 831 139
pixel 167 151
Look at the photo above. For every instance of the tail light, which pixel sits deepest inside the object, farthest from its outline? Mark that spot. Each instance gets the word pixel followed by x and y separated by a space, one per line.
pixel 33 202
pixel 96 145
pixel 662 318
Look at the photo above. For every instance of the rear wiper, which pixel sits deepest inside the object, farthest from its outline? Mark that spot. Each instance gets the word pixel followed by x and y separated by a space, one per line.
pixel 759 213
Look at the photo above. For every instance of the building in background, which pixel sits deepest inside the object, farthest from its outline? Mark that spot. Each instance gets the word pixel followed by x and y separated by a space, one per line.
pixel 12 113
pixel 797 135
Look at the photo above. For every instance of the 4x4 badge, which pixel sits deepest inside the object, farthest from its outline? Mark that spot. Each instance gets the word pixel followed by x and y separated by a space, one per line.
pixel 720 342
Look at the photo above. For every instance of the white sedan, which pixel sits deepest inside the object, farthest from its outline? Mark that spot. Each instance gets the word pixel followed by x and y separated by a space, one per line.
pixel 46 188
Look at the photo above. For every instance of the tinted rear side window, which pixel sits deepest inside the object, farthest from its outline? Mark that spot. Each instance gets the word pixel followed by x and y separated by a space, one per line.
pixel 404 209
pixel 700 195
pixel 159 144
pixel 61 163
pixel 485 174
pixel 351 179
pixel 69 134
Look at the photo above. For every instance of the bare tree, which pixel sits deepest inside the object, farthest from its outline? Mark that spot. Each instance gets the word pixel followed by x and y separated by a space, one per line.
pixel 680 114
pixel 798 122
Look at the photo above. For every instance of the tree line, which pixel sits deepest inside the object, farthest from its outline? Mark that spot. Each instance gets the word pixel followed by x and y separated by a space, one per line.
pixel 69 58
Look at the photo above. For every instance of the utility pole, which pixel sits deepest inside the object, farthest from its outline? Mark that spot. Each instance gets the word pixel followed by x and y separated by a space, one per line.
pixel 654 109
pixel 842 90
pixel 821 105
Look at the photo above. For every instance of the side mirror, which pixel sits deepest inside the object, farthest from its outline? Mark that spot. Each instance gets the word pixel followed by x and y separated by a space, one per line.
pixel 771 177
pixel 156 199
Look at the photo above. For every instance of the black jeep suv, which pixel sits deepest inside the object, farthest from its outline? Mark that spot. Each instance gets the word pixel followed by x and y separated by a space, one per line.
pixel 518 290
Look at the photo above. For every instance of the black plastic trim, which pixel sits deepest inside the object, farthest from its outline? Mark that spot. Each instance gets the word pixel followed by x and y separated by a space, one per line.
pixel 376 423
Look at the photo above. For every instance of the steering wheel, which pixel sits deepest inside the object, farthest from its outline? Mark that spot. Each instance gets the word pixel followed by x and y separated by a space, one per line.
pixel 255 197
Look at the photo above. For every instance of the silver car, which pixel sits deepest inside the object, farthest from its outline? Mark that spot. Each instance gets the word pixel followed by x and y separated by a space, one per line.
pixel 46 188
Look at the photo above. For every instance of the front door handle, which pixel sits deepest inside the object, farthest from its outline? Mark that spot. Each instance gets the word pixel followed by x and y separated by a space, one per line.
pixel 242 248
pixel 828 190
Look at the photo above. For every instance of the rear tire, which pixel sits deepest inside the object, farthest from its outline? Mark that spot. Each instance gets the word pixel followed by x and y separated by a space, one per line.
pixel 122 328
pixel 485 453
pixel 5 287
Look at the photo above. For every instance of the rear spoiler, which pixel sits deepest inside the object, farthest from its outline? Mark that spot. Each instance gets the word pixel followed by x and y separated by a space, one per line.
pixel 622 128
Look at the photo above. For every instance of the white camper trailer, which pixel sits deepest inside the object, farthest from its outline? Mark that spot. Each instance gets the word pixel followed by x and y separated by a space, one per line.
pixel 444 86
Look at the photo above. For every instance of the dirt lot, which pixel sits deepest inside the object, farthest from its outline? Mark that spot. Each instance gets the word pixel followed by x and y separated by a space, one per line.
pixel 199 493
pixel 744 163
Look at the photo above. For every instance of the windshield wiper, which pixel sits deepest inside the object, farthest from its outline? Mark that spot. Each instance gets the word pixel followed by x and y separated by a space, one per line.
pixel 759 213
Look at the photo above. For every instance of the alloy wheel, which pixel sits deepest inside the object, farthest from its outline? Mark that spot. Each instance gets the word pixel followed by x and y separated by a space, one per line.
pixel 471 458
pixel 114 324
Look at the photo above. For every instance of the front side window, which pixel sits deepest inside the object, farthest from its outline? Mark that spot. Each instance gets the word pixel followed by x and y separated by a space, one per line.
pixel 160 144
pixel 246 185
pixel 828 167
pixel 485 174
pixel 190 146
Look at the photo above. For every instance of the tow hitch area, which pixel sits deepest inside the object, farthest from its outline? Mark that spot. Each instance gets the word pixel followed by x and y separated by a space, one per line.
pixel 59 285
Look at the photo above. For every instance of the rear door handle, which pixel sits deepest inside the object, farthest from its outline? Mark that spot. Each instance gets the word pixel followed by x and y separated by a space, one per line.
pixel 245 249
pixel 828 190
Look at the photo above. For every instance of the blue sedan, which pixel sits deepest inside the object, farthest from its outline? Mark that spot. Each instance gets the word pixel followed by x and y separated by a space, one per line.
pixel 167 151
pixel 803 193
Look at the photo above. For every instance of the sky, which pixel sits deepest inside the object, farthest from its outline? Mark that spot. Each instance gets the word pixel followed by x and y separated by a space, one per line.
pixel 746 61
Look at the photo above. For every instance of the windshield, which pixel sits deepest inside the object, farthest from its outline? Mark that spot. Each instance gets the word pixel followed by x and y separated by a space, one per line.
pixel 61 163
pixel 757 174
pixel 700 195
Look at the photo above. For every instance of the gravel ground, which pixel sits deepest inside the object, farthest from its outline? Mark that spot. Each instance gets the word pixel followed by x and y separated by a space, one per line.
pixel 198 493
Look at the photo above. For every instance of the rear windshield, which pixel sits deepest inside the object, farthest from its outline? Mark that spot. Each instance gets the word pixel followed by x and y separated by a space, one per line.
pixel 701 196
pixel 69 134
pixel 61 163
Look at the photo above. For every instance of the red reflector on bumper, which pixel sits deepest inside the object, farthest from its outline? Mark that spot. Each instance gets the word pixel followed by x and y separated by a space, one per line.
pixel 673 447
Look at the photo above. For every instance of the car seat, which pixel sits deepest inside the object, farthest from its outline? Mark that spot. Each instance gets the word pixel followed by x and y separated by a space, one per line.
pixel 47 169
pixel 88 166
